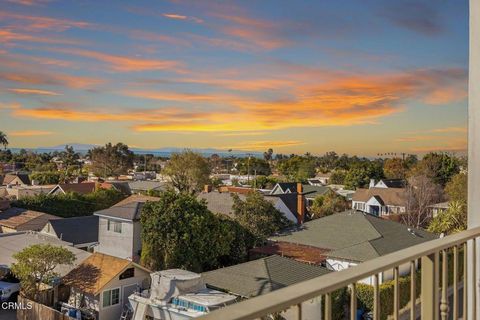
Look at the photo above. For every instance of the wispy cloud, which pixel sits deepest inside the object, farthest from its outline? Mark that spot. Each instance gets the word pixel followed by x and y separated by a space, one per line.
pixel 7 36
pixel 30 133
pixel 181 17
pixel 262 145
pixel 242 134
pixel 344 100
pixel 451 129
pixel 263 33
pixel 420 16
pixel 124 63
pixel 41 23
pixel 33 92
pixel 30 2
pixel 416 138
pixel 51 78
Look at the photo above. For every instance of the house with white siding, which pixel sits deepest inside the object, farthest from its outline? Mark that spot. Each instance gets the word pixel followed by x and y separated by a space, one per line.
pixel 380 201
pixel 119 228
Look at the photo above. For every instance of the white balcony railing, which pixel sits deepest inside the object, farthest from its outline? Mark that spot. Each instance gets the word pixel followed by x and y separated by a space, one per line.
pixel 440 263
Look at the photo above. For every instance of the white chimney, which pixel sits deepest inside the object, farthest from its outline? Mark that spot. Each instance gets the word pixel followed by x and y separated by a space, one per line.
pixel 372 183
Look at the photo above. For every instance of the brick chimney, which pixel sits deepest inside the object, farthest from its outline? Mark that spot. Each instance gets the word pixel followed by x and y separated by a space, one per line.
pixel 300 203
pixel 207 188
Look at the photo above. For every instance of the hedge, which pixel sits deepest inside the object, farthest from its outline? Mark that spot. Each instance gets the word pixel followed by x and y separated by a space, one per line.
pixel 365 295
pixel 71 204
pixel 365 292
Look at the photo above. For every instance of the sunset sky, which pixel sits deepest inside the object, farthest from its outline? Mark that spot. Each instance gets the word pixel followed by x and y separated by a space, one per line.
pixel 361 76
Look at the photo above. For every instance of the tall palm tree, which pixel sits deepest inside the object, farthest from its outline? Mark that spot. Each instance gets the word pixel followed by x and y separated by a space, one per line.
pixel 3 139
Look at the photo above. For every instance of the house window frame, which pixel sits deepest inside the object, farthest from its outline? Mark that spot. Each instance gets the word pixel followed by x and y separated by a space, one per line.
pixel 110 291
pixel 114 226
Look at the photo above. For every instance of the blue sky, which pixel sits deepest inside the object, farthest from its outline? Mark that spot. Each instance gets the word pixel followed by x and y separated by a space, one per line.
pixel 361 77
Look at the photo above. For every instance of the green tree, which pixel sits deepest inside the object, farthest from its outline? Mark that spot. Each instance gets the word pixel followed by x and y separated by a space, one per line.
pixel 258 216
pixel 263 182
pixel 111 160
pixel 356 178
pixel 328 204
pixel 440 167
pixel 188 171
pixel 268 155
pixel 36 265
pixel 47 177
pixel 180 232
pixel 251 166
pixel 452 220
pixel 457 188
pixel 394 168
pixel 242 242
pixel 71 204
pixel 3 140
pixel 338 177
pixel 298 168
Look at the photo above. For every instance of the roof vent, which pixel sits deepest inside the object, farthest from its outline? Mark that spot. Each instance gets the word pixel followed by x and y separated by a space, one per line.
pixel 412 231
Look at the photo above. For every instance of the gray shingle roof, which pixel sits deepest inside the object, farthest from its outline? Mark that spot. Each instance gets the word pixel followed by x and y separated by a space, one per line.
pixel 11 243
pixel 147 185
pixel 261 276
pixel 77 230
pixel 130 211
pixel 394 183
pixel 127 209
pixel 355 236
pixel 219 202
pixel 312 192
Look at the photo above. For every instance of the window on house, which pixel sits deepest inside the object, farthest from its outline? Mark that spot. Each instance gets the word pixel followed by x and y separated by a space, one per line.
pixel 115 226
pixel 129 273
pixel 111 297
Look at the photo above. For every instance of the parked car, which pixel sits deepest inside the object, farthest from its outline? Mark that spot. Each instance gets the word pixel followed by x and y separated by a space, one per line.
pixel 9 285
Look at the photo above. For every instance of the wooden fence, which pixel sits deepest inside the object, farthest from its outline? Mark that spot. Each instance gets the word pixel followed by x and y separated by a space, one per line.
pixel 33 310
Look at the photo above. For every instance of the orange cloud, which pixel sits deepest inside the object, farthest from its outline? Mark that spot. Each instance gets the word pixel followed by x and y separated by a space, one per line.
pixel 124 64
pixel 446 95
pixel 451 129
pixel 29 2
pixel 33 91
pixel 338 100
pixel 264 34
pixel 262 145
pixel 415 138
pixel 241 134
pixel 50 78
pixel 39 23
pixel 169 96
pixel 30 133
pixel 7 36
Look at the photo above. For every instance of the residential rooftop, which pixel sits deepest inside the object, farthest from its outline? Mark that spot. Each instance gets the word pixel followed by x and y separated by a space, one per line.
pixel 261 276
pixel 12 243
pixel 24 219
pixel 355 236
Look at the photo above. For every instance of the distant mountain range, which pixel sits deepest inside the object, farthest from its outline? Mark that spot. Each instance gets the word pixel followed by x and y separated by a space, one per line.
pixel 82 148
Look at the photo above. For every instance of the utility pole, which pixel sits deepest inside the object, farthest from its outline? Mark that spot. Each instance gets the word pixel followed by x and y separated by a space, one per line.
pixel 145 167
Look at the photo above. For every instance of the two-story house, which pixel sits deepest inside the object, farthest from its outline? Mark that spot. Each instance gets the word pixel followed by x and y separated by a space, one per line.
pixel 119 228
